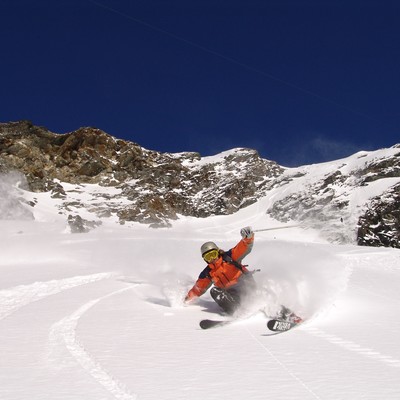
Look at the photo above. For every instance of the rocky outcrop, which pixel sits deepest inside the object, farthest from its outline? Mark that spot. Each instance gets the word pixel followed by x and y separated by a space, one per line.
pixel 87 155
pixel 158 186
pixel 380 225
pixel 330 201
pixel 77 224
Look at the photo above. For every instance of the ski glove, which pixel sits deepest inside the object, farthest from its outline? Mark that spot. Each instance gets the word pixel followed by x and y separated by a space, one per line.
pixel 247 232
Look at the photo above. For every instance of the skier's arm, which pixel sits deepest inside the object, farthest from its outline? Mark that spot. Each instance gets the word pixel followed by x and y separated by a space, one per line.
pixel 201 286
pixel 243 248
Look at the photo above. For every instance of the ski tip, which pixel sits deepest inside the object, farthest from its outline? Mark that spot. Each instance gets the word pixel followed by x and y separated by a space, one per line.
pixel 204 323
pixel 209 323
pixel 277 325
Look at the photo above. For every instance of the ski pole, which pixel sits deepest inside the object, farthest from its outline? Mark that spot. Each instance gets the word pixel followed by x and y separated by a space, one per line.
pixel 276 228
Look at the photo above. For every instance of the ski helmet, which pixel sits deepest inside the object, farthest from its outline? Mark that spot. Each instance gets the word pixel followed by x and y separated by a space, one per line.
pixel 207 247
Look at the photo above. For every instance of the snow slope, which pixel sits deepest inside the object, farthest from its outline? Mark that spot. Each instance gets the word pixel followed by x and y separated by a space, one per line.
pixel 100 315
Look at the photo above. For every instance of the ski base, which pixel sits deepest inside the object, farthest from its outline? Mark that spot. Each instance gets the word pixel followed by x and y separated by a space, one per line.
pixel 280 325
pixel 276 325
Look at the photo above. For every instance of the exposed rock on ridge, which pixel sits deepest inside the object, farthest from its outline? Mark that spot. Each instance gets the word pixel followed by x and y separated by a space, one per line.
pixel 380 225
pixel 159 186
pixel 333 202
pixel 89 170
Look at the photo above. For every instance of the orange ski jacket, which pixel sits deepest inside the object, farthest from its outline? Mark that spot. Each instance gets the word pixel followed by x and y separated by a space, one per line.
pixel 222 273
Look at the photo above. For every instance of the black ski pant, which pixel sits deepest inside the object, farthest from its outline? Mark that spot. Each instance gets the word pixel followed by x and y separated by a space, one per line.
pixel 232 298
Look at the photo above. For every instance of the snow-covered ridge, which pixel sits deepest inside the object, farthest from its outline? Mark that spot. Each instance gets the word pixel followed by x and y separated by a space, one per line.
pixel 337 195
pixel 90 176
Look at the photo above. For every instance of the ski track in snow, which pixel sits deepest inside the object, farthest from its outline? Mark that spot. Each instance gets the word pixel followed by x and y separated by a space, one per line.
pixel 351 346
pixel 285 367
pixel 19 296
pixel 65 331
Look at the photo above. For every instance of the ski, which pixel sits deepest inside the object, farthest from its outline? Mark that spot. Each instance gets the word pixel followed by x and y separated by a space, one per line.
pixel 209 323
pixel 276 324
pixel 280 325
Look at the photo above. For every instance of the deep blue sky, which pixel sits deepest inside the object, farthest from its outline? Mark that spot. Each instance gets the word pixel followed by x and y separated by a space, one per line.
pixel 300 81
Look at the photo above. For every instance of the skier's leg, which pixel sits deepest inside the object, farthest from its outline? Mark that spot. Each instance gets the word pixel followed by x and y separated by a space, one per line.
pixel 227 300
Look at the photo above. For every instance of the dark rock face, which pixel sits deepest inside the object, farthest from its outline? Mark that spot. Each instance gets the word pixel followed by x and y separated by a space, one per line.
pixel 79 225
pixel 87 155
pixel 380 225
pixel 159 186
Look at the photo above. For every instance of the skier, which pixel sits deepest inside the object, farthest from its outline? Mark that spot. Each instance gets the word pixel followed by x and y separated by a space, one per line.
pixel 233 282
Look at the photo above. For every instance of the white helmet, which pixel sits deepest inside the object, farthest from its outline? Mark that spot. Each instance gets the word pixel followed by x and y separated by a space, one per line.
pixel 206 247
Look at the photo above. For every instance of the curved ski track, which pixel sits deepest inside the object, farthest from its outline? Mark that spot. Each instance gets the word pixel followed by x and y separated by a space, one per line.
pixel 64 331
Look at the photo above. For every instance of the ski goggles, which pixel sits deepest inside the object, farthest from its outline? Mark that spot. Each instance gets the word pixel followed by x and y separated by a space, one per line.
pixel 211 255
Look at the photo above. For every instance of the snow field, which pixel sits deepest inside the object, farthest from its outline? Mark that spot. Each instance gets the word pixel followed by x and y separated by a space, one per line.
pixel 99 316
pixel 102 317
